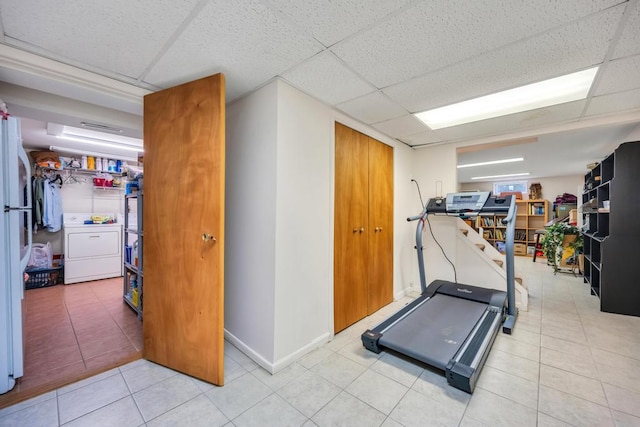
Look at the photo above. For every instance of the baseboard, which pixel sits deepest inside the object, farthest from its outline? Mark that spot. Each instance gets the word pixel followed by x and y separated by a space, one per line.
pixel 283 362
pixel 296 355
pixel 248 351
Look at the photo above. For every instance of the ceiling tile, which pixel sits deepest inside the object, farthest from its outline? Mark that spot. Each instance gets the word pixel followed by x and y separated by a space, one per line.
pixel 246 40
pixel 330 21
pixel 118 36
pixel 402 126
pixel 613 103
pixel 619 75
pixel 564 50
pixel 629 42
pixel 514 122
pixel 422 138
pixel 434 34
pixel 372 108
pixel 326 78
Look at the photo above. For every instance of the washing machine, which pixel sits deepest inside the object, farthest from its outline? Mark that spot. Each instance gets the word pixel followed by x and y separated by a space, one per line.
pixel 91 251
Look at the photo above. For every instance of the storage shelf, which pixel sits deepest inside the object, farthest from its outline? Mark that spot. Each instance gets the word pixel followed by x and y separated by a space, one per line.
pixel 133 272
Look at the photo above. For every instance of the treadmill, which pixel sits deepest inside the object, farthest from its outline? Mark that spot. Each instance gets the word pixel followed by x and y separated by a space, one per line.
pixel 452 326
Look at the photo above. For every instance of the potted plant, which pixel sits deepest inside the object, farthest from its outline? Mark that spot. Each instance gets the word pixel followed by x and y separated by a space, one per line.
pixel 561 245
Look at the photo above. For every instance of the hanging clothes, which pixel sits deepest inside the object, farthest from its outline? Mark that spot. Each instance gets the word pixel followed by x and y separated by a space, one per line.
pixel 52 215
pixel 38 201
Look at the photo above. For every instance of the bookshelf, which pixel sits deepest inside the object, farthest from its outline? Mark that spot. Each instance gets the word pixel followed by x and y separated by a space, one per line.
pixel 611 233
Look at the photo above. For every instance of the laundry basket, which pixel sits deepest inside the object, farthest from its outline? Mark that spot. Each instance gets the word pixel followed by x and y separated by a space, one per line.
pixel 43 277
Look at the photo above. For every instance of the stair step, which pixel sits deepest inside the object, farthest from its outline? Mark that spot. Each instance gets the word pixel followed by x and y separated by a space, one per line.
pixel 499 262
pixel 464 231
pixel 480 245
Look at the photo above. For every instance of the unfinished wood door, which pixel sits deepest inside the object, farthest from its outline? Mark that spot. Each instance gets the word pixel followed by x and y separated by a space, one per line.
pixel 350 228
pixel 184 159
pixel 380 283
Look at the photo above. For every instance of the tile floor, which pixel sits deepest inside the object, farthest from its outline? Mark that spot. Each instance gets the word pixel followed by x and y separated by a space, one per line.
pixel 74 330
pixel 565 364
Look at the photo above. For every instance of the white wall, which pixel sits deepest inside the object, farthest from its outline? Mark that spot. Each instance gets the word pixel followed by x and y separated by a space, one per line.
pixel 304 236
pixel 251 139
pixel 435 170
pixel 279 223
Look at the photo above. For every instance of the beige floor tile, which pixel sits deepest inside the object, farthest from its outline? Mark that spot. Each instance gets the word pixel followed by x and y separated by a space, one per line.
pixel 377 390
pixel 346 410
pixel 434 385
pixel 563 346
pixel 625 420
pixel 581 365
pixel 494 410
pixel 199 411
pixel 281 378
pixel 517 348
pixel 309 393
pixel 573 410
pixel 509 386
pixel 620 377
pixel 573 333
pixel 272 411
pixel 545 420
pixel 525 336
pixel 339 370
pixel 514 365
pixel 623 400
pixel 417 410
pixel 578 385
pixel 399 369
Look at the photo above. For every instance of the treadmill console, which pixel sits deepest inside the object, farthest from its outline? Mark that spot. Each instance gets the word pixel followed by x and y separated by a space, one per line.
pixel 466 202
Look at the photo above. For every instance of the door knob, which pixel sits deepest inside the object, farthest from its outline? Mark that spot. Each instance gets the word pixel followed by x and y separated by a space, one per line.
pixel 207 237
pixel 358 230
pixel 362 229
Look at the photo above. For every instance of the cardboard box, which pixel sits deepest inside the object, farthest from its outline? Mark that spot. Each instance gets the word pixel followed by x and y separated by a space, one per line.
pixel 519 249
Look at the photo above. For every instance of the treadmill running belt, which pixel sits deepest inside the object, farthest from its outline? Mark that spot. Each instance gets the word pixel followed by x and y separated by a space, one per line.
pixel 434 332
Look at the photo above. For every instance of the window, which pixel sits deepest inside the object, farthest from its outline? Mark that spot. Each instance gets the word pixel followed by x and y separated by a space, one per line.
pixel 510 186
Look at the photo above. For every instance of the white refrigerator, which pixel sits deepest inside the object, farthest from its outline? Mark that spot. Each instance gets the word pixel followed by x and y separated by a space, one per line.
pixel 15 248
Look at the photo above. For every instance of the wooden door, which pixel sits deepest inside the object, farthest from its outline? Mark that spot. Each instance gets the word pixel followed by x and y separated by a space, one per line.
pixel 350 228
pixel 380 284
pixel 184 159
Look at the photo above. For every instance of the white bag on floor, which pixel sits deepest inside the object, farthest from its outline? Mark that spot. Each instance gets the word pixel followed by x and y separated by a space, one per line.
pixel 41 256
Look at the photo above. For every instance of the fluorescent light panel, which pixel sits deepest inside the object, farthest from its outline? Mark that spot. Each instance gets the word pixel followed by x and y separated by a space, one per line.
pixel 501 176
pixel 90 153
pixel 567 88
pixel 92 141
pixel 492 162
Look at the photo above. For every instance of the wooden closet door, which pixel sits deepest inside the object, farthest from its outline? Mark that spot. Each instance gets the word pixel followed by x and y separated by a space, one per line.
pixel 380 284
pixel 350 228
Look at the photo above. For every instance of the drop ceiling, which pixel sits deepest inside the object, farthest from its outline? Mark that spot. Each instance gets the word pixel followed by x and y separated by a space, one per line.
pixel 377 61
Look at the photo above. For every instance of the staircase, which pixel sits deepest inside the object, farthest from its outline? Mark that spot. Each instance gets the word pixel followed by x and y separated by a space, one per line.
pixel 484 266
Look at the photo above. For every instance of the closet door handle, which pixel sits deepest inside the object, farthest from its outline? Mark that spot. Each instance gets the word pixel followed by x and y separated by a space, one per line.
pixel 358 230
pixel 378 230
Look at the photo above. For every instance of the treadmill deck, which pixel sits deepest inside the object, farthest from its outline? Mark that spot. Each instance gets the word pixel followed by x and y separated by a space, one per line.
pixel 435 331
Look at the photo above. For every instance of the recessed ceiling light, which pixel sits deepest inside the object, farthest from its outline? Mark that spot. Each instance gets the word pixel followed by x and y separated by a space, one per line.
pixel 501 176
pixel 492 162
pixel 567 88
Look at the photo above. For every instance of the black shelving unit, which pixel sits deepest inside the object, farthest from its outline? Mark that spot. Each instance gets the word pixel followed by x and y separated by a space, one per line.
pixel 133 296
pixel 612 235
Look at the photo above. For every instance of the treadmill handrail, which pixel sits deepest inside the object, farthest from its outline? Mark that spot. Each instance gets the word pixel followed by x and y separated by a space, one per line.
pixel 509 220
